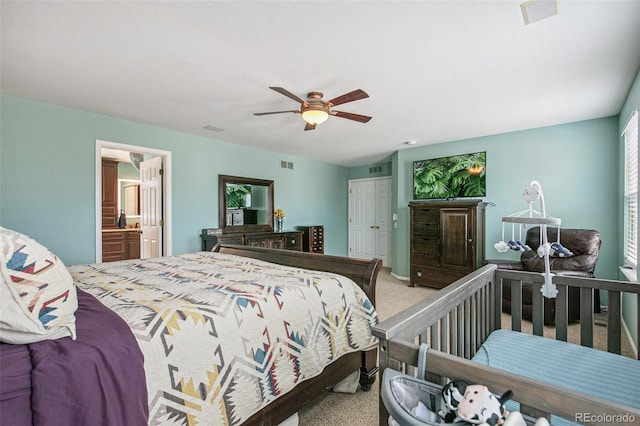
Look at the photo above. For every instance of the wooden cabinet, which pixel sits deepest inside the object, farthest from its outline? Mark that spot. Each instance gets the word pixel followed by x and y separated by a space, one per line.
pixel 109 194
pixel 312 238
pixel 120 244
pixel 133 245
pixel 293 241
pixel 286 240
pixel 447 241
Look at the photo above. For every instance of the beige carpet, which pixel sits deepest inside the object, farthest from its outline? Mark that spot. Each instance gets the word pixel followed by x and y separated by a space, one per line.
pixel 361 408
pixel 392 296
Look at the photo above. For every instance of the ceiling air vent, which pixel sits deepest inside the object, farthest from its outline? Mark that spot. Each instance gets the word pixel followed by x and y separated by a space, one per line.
pixel 214 128
pixel 537 10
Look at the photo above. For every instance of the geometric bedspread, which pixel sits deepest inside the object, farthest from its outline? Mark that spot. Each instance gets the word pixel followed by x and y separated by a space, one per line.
pixel 224 335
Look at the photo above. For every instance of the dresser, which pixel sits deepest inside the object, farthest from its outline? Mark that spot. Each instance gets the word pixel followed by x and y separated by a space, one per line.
pixel 312 238
pixel 447 240
pixel 286 240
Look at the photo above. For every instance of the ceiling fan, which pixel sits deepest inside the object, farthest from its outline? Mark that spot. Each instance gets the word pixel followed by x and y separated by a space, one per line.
pixel 316 110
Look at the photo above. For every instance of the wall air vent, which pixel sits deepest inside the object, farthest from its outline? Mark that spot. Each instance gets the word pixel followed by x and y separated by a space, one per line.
pixel 286 164
pixel 375 169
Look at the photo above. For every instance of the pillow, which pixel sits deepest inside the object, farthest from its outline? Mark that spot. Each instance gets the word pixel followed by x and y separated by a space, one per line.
pixel 38 298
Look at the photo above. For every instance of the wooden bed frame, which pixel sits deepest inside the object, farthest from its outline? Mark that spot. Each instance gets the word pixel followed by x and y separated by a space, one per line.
pixel 457 319
pixel 362 272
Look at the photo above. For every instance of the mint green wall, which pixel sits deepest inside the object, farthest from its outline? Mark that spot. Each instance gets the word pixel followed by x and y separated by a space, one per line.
pixel 629 303
pixel 127 171
pixel 364 172
pixel 47 156
pixel 576 164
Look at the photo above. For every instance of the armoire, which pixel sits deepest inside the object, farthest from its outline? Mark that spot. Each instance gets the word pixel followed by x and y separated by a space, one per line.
pixel 447 240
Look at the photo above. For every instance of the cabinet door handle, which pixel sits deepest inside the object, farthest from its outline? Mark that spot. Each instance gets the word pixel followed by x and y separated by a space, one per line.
pixel 372 227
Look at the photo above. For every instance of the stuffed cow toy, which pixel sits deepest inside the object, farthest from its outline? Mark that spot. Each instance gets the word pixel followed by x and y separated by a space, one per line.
pixel 480 406
pixel 452 395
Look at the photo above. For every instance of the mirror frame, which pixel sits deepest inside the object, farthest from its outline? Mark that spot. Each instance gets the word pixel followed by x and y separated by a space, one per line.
pixel 223 180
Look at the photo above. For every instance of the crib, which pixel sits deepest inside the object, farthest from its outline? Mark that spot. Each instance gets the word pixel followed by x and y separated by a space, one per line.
pixel 457 320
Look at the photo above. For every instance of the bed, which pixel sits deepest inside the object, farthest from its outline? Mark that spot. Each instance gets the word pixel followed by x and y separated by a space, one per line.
pixel 470 340
pixel 155 342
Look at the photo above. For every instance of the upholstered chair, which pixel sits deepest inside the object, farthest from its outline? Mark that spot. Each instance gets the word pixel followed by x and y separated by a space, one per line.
pixel 585 246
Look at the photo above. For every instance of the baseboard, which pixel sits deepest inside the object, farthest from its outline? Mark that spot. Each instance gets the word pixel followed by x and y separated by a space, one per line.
pixel 398 277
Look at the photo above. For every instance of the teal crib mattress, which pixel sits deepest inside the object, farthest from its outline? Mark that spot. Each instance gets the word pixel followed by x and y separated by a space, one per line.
pixel 603 374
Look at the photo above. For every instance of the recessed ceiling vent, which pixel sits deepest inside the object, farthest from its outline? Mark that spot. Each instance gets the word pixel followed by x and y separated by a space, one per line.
pixel 537 10
pixel 214 128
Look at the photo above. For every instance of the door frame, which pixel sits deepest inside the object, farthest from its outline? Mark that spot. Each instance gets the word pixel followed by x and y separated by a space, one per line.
pixel 167 229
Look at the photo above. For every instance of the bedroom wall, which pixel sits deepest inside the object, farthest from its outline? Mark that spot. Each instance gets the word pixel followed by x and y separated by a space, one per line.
pixel 576 164
pixel 47 178
pixel 370 171
pixel 629 303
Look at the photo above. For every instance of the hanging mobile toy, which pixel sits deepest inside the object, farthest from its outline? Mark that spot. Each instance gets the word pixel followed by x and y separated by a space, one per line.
pixel 530 216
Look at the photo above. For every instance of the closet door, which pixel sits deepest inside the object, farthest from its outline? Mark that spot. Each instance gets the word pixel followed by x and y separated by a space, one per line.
pixel 370 222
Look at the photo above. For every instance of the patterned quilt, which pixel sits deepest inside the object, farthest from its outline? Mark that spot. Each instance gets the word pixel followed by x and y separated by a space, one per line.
pixel 223 335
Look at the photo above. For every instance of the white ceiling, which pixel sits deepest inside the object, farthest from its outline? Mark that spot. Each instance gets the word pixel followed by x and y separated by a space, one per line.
pixel 435 70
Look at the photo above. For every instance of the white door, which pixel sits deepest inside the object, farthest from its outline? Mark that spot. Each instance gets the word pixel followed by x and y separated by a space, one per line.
pixel 370 218
pixel 383 220
pixel 151 208
pixel 361 219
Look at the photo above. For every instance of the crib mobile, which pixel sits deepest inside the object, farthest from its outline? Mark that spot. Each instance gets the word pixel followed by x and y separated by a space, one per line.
pixel 530 216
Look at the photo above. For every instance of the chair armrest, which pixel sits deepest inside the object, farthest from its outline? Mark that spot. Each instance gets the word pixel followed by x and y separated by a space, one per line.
pixel 515 265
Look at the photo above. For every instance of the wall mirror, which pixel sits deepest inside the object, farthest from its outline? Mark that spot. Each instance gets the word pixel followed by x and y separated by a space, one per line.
pixel 129 197
pixel 246 204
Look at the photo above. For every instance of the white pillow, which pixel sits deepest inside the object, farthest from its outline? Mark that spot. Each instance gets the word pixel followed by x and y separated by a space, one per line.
pixel 37 297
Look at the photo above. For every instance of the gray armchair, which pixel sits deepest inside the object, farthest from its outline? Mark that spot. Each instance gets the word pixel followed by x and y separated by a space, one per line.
pixel 585 246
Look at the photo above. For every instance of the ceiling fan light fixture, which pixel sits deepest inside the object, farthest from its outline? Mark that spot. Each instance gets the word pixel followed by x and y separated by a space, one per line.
pixel 315 116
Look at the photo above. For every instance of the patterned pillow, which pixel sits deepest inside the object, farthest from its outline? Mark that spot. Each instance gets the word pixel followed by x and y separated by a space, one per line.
pixel 37 296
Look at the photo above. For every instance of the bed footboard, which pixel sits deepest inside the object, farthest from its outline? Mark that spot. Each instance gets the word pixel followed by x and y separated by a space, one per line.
pixel 364 273
pixel 457 319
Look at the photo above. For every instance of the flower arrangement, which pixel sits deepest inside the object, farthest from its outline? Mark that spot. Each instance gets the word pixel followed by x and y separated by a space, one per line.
pixel 279 214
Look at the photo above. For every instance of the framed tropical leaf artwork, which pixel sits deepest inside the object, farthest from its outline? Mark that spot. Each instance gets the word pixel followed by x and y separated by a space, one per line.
pixel 455 176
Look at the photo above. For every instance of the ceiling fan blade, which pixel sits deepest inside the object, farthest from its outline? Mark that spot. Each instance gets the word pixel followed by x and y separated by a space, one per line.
pixel 309 126
pixel 351 116
pixel 288 94
pixel 356 95
pixel 275 112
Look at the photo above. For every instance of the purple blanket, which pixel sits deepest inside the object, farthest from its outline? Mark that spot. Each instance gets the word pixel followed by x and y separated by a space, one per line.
pixel 97 379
